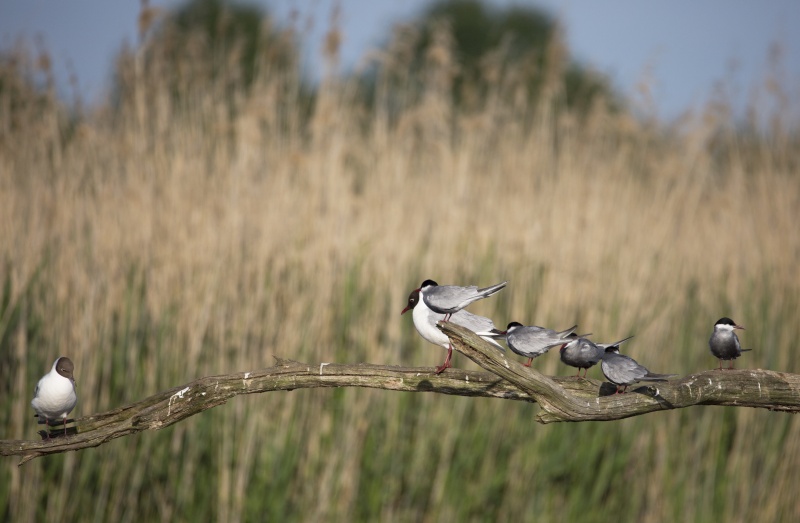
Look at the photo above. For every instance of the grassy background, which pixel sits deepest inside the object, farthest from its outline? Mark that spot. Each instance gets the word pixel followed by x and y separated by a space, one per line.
pixel 167 239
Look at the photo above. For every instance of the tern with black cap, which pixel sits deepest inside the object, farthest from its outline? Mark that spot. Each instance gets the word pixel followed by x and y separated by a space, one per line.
pixel 724 344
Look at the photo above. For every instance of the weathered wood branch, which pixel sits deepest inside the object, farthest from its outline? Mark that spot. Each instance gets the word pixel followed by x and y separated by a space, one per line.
pixel 166 408
pixel 561 398
pixel 767 389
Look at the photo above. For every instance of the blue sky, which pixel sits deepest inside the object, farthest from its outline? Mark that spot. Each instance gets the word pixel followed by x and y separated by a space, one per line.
pixel 683 48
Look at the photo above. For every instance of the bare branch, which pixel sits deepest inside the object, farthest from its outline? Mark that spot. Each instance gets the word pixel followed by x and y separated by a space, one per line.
pixel 561 398
pixel 165 408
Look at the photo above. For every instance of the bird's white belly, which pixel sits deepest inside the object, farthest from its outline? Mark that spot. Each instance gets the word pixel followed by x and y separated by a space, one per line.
pixel 55 400
pixel 426 328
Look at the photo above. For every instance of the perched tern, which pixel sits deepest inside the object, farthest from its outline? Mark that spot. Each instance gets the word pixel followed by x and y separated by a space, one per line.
pixel 724 343
pixel 425 322
pixel 448 299
pixel 532 341
pixel 55 395
pixel 623 371
pixel 581 353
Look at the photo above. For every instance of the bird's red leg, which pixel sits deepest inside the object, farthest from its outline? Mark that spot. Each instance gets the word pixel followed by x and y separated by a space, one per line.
pixel 529 363
pixel 446 363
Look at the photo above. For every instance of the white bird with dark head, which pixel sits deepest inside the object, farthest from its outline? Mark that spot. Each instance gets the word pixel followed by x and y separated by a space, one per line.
pixel 55 395
pixel 425 319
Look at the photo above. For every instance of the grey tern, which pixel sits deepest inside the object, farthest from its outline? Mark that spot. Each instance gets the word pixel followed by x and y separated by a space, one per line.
pixel 532 341
pixel 724 343
pixel 622 370
pixel 581 353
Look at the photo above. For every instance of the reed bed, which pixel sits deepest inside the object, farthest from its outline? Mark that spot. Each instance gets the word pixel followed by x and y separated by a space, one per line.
pixel 165 238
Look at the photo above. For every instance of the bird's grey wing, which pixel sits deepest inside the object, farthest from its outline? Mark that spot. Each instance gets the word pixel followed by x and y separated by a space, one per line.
pixel 480 325
pixel 611 372
pixel 445 298
pixel 567 332
pixel 605 346
pixel 528 346
pixel 622 370
pixel 448 298
pixel 472 322
pixel 650 376
pixel 491 289
pixel 489 339
pixel 620 342
pixel 533 341
pixel 483 327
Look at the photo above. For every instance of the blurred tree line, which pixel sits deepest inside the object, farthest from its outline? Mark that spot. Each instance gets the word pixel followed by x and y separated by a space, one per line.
pixel 466 46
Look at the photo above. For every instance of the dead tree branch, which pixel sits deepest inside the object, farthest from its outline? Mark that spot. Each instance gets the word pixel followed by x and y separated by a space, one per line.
pixel 561 398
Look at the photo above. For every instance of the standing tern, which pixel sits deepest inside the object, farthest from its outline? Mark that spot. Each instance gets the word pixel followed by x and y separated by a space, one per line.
pixel 623 371
pixel 425 322
pixel 533 341
pixel 581 353
pixel 448 299
pixel 55 395
pixel 724 343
